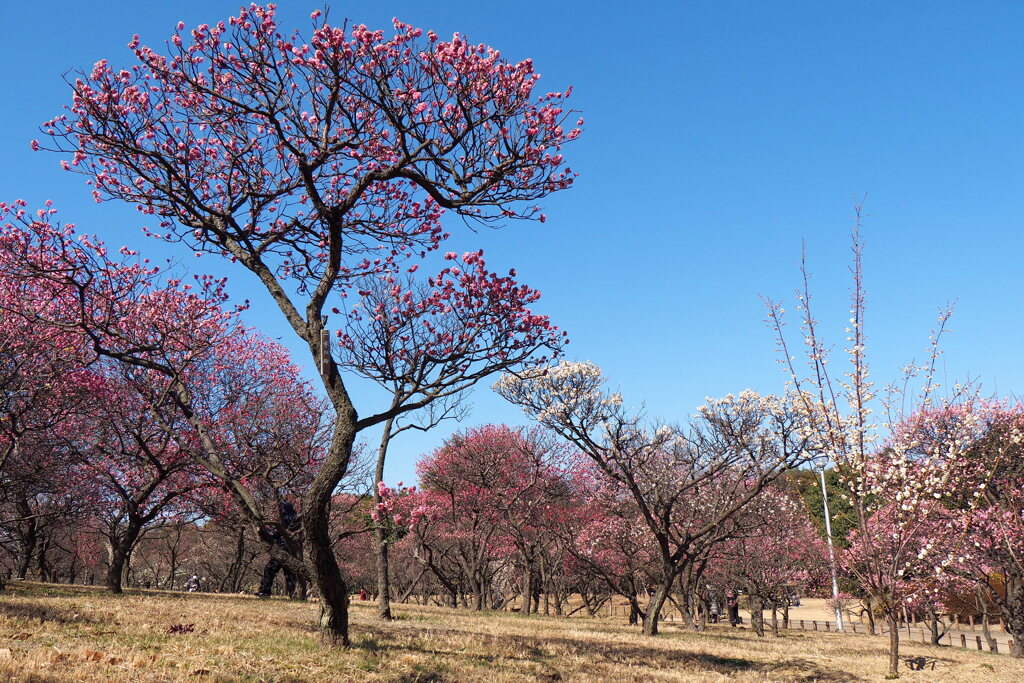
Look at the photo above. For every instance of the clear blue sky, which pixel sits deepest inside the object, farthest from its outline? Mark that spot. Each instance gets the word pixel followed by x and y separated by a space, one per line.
pixel 718 135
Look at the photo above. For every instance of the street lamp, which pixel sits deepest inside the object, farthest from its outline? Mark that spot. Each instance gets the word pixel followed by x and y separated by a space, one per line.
pixel 822 461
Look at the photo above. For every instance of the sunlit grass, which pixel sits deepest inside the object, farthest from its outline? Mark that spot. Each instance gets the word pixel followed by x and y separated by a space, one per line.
pixel 56 633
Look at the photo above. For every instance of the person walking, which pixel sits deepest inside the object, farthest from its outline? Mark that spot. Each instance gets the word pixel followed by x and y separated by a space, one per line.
pixel 732 605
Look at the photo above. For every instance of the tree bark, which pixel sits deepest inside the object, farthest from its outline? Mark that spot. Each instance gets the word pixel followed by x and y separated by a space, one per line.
pixel 28 540
pixel 654 608
pixel 527 587
pixel 379 534
pixel 1013 617
pixel 757 615
pixel 992 644
pixel 894 644
pixel 383 576
pixel 120 549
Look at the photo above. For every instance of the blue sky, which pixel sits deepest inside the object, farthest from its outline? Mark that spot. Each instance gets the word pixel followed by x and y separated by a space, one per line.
pixel 718 136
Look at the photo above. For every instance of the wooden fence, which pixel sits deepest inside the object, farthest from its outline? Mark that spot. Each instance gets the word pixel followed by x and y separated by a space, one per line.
pixel 951 637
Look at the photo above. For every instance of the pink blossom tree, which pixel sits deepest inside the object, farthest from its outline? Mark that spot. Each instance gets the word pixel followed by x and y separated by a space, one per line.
pixel 986 502
pixel 315 162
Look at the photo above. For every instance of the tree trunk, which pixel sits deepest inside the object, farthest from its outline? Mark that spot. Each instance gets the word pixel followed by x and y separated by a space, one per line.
pixel 41 565
pixel 412 586
pixel 635 613
pixel 757 615
pixel 383 575
pixel 527 586
pixel 324 570
pixel 120 549
pixel 28 538
pixel 379 534
pixel 775 618
pixel 992 644
pixel 654 608
pixel 333 592
pixel 933 628
pixel 894 644
pixel 1013 613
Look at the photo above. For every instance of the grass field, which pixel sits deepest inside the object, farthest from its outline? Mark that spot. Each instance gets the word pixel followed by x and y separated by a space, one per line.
pixel 61 633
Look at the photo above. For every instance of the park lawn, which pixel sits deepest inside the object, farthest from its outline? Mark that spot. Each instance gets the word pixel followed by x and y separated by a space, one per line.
pixel 61 633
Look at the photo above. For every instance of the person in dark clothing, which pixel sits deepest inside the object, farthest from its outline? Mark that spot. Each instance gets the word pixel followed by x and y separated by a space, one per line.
pixel 290 521
pixel 732 605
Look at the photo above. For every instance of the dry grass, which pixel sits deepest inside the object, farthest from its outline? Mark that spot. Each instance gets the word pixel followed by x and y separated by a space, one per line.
pixel 60 633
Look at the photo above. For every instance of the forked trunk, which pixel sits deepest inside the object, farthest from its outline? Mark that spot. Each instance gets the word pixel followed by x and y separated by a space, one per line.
pixel 527 587
pixel 120 549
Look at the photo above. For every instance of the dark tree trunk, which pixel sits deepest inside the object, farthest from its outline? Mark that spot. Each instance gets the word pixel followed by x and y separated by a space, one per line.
pixel 757 615
pixel 657 602
pixel 527 587
pixel 871 618
pixel 934 628
pixel 41 565
pixel 412 586
pixel 333 591
pixel 28 539
pixel 380 535
pixel 320 560
pixel 383 575
pixel 635 613
pixel 120 550
pixel 894 644
pixel 1013 613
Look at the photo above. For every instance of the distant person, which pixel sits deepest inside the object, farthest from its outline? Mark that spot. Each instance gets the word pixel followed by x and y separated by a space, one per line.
pixel 193 585
pixel 362 594
pixel 714 612
pixel 290 521
pixel 732 605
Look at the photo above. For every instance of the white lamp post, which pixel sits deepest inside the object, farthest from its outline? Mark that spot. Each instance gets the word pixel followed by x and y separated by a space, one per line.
pixel 821 462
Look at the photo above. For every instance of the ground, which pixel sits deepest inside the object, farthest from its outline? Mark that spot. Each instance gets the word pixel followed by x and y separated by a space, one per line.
pixel 61 633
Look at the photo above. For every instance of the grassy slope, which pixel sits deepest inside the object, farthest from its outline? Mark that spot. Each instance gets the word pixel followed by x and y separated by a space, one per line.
pixel 59 633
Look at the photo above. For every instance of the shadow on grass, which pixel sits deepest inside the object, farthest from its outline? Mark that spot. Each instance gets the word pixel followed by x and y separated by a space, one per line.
pixel 35 611
pixel 545 651
pixel 64 590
